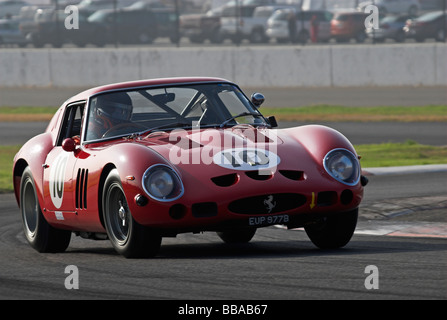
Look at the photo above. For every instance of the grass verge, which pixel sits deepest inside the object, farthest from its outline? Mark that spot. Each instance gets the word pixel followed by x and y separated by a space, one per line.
pixel 373 155
pixel 400 154
pixel 7 154
pixel 23 114
pixel 429 113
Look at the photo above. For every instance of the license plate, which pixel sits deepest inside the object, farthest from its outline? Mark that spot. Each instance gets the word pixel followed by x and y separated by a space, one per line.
pixel 268 220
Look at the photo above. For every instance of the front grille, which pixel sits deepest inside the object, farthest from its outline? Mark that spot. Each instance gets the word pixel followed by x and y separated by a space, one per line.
pixel 269 203
pixel 293 174
pixel 226 180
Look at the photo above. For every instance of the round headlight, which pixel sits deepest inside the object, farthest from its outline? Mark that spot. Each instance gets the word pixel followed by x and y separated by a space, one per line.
pixel 162 183
pixel 343 166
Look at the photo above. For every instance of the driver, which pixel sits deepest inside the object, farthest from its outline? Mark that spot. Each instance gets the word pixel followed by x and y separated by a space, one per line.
pixel 108 111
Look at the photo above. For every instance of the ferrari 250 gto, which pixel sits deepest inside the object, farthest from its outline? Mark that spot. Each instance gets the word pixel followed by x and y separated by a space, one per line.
pixel 138 161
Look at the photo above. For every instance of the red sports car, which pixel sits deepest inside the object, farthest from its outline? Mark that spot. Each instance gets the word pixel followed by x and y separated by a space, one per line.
pixel 137 161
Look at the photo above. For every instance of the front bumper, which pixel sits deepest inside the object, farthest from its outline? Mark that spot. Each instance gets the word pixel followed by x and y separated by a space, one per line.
pixel 275 201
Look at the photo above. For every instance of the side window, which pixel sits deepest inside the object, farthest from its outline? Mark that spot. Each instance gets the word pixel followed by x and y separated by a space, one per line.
pixel 72 122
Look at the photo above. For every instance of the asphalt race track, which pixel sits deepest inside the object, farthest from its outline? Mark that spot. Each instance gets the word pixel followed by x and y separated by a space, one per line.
pixel 402 232
pixel 277 264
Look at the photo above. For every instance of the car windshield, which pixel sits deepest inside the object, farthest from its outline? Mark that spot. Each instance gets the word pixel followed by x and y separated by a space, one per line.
pixel 98 16
pixel 430 16
pixel 142 111
pixel 389 19
pixel 341 17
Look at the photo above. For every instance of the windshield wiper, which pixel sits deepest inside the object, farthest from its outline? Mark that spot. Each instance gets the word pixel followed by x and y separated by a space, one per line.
pixel 243 114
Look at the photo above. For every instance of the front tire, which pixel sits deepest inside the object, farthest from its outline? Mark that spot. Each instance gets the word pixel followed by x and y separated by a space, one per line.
pixel 39 234
pixel 334 231
pixel 127 236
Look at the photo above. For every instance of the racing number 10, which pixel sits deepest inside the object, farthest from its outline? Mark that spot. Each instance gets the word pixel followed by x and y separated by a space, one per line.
pixel 251 157
pixel 58 182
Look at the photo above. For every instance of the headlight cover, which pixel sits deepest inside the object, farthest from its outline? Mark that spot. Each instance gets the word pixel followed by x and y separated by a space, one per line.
pixel 162 183
pixel 343 166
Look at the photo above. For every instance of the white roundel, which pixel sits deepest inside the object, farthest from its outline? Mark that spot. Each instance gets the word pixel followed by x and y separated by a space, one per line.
pixel 57 177
pixel 246 159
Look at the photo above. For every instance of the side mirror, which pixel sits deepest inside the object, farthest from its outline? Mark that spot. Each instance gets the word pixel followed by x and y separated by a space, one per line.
pixel 257 99
pixel 272 121
pixel 69 145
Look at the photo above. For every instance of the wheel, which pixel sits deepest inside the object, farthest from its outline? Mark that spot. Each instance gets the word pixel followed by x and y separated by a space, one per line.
pixel 80 43
pixel 144 38
pixel 419 39
pixel 360 37
pixel 341 40
pixel 39 234
pixel 303 37
pixel 400 36
pixel 237 236
pixel 216 36
pixel 196 39
pixel 36 40
pixel 127 236
pixel 258 36
pixel 334 231
pixel 57 43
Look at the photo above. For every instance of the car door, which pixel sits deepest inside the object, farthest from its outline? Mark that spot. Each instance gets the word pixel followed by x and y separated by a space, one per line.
pixel 58 183
pixel 8 33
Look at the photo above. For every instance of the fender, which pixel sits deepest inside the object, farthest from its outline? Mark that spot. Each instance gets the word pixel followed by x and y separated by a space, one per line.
pixel 131 161
pixel 32 154
pixel 318 140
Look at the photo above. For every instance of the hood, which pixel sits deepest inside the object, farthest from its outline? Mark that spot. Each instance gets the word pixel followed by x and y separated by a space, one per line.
pixel 216 152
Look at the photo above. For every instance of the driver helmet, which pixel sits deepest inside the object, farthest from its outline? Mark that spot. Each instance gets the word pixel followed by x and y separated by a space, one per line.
pixel 113 108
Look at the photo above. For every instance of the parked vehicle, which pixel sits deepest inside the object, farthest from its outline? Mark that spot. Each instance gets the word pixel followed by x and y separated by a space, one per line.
pixel 48 27
pixel 250 23
pixel 200 27
pixel 145 4
pixel 390 27
pixel 411 7
pixel 10 8
pixel 219 22
pixel 134 26
pixel 348 25
pixel 91 6
pixel 429 25
pixel 10 33
pixel 295 26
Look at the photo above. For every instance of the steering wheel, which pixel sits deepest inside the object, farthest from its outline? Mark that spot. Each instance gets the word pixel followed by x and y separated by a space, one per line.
pixel 115 129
